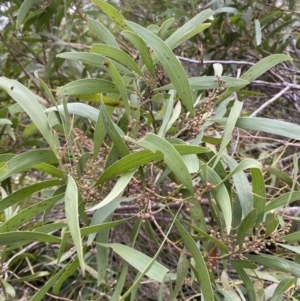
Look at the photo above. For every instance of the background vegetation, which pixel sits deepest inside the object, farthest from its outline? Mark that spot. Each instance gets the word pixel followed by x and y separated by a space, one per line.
pixel 149 150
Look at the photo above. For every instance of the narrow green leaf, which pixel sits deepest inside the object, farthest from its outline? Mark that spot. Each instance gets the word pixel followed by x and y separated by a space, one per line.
pixel 46 89
pixel 26 237
pixel 139 277
pixel 170 63
pixel 65 237
pixel 118 81
pixel 114 132
pixel 192 163
pixel 171 157
pixel 71 208
pixel 102 32
pixel 258 32
pixel 295 175
pixel 8 212
pixel 164 28
pixel 50 169
pixel 24 9
pixel 272 15
pixel 120 284
pixel 9 290
pixel 28 213
pixel 202 272
pixel 276 263
pixel 272 126
pixel 294 249
pixel 92 59
pixel 35 276
pixel 117 55
pixel 239 266
pixel 153 28
pixel 5 158
pixel 282 288
pixel 25 161
pixel 220 194
pixel 102 253
pixel 142 48
pixel 241 181
pixel 50 227
pixel 102 237
pixel 97 228
pixel 230 125
pixel 217 242
pixel 112 13
pixel 280 174
pixel 23 193
pixel 87 86
pixel 143 157
pixel 116 190
pixel 182 269
pixel 5 121
pixel 175 114
pixel 219 111
pixel 255 71
pixel 69 270
pixel 42 291
pixel 246 226
pixel 283 200
pixel 168 109
pixel 139 260
pixel 229 293
pixel 32 107
pixel 292 4
pixel 104 212
pixel 259 194
pixel 99 135
pixel 271 224
pixel 209 82
pixel 292 237
pixel 191 28
pixel 79 109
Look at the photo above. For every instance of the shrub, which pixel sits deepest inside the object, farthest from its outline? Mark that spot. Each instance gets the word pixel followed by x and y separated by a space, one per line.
pixel 140 139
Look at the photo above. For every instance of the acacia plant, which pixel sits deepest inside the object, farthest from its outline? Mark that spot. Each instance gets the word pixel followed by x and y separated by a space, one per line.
pixel 136 135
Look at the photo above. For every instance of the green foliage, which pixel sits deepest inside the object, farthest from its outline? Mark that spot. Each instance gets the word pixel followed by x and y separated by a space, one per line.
pixel 149 139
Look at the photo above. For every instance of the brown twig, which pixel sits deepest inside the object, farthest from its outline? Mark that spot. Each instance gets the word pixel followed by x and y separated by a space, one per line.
pixel 168 240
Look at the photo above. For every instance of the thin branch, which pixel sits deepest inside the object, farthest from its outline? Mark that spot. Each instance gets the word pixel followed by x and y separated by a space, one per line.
pixel 276 85
pixel 270 101
pixel 168 240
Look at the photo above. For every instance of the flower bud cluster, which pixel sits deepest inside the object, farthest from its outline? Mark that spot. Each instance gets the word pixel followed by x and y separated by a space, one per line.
pixel 256 243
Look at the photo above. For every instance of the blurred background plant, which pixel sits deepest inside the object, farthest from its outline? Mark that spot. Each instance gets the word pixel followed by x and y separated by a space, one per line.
pixel 47 158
